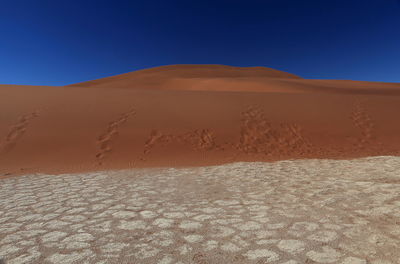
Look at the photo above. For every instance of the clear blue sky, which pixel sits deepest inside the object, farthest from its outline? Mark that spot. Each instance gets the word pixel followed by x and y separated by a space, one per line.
pixel 57 42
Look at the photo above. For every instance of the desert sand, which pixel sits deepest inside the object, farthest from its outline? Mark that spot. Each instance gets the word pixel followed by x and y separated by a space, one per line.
pixel 168 166
pixel 193 115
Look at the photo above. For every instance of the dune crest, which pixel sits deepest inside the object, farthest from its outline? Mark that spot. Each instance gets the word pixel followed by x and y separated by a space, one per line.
pixel 234 79
pixel 159 77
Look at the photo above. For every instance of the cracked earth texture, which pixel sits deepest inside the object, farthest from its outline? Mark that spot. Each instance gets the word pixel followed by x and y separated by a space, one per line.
pixel 305 211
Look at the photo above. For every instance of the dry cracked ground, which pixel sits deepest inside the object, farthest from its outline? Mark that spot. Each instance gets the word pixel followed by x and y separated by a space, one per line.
pixel 306 211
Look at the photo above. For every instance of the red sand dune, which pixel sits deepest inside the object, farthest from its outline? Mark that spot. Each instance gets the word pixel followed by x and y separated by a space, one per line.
pixel 189 115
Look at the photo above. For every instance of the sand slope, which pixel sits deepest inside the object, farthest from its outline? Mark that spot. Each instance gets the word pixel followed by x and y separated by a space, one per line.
pixel 264 115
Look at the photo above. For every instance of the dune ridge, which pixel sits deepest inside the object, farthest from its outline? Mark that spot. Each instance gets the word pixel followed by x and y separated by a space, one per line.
pixel 156 77
pixel 192 115
pixel 229 78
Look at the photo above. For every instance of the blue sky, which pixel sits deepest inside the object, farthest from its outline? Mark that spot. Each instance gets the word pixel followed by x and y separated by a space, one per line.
pixel 63 42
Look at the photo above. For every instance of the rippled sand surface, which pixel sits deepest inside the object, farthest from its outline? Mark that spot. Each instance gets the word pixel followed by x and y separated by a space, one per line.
pixel 304 211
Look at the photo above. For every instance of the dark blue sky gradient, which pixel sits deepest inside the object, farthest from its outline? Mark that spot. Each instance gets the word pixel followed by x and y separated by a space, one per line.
pixel 62 42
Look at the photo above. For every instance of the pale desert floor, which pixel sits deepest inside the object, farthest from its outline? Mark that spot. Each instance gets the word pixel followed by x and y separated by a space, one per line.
pixel 304 211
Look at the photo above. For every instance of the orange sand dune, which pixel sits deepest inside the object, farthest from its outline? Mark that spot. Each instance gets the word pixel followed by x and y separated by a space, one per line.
pixel 193 115
pixel 228 78
pixel 161 77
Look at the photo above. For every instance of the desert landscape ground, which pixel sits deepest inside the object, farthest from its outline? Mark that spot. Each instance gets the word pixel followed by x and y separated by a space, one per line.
pixel 200 164
pixel 193 115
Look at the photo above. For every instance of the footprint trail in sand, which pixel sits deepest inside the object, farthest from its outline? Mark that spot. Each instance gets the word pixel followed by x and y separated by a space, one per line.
pixel 258 135
pixel 105 141
pixel 365 124
pixel 16 132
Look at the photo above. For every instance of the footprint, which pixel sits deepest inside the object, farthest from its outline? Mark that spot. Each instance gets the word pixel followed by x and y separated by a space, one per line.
pixel 259 136
pixel 365 124
pixel 105 140
pixel 197 140
pixel 200 139
pixel 155 138
pixel 16 132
